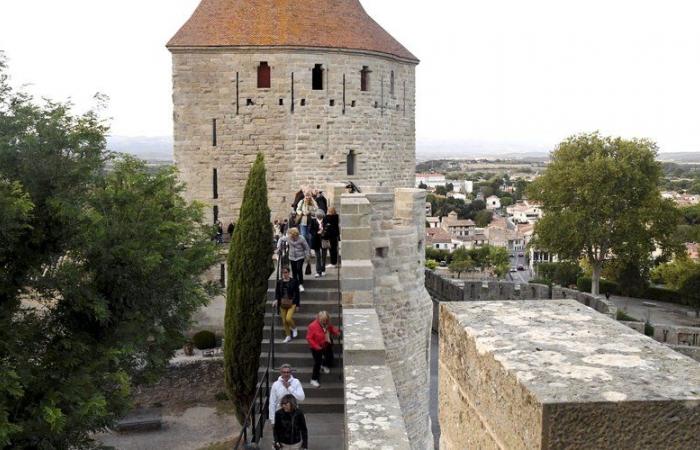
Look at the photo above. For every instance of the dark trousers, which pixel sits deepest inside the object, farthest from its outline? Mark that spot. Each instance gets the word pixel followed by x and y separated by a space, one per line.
pixel 320 260
pixel 298 270
pixel 334 251
pixel 322 357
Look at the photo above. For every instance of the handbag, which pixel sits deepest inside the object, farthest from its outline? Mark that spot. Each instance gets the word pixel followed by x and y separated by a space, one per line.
pixel 325 243
pixel 308 269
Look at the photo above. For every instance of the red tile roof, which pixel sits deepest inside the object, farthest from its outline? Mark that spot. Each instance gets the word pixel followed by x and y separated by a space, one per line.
pixel 341 24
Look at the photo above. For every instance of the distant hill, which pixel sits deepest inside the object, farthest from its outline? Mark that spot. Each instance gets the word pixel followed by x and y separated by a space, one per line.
pixel 158 148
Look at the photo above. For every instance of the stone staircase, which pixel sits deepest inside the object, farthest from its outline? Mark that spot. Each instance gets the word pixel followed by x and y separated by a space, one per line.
pixel 320 294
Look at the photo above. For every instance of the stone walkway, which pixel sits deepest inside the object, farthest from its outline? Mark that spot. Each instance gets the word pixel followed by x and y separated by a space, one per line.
pixel 658 312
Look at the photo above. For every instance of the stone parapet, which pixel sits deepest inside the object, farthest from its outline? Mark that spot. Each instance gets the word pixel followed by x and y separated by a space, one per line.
pixel 363 341
pixel 555 375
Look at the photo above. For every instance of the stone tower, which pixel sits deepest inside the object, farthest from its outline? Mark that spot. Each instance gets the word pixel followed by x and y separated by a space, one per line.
pixel 316 85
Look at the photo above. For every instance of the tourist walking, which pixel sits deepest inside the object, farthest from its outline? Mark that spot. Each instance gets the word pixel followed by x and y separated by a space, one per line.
pixel 306 209
pixel 230 229
pixel 332 235
pixel 321 201
pixel 298 251
pixel 287 302
pixel 289 431
pixel 299 196
pixel 317 231
pixel 319 337
pixel 286 384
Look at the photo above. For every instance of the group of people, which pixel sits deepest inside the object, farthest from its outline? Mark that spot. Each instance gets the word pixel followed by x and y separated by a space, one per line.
pixel 288 420
pixel 219 236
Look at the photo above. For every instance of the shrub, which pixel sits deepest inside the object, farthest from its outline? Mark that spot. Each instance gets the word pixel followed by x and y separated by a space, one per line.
pixel 204 340
pixel 662 295
pixel 648 329
pixel 621 315
pixel 584 285
pixel 563 273
pixel 431 264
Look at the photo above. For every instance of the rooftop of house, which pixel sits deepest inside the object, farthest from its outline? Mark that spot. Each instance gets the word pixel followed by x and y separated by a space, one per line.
pixel 336 24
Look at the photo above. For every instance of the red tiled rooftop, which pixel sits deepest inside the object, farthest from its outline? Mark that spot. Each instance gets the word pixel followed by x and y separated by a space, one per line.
pixel 340 24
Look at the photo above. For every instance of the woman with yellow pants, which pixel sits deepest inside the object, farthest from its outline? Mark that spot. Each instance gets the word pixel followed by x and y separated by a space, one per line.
pixel 287 302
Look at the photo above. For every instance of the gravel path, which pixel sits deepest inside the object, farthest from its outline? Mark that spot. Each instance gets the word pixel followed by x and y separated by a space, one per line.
pixel 191 430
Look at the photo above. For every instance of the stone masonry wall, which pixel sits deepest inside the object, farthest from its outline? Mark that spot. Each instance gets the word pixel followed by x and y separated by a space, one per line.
pixel 306 146
pixel 383 258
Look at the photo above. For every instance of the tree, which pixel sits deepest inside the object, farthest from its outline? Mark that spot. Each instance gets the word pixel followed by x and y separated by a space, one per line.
pixel 690 290
pixel 249 267
pixel 498 260
pixel 674 273
pixel 483 218
pixel 449 187
pixel 600 198
pixel 440 190
pixel 461 265
pixel 112 265
pixel 506 200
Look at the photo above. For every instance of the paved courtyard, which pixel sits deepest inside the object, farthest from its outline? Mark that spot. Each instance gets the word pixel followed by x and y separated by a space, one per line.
pixel 654 311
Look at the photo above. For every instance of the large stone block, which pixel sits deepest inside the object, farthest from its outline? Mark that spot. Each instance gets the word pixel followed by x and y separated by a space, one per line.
pixel 362 337
pixel 557 375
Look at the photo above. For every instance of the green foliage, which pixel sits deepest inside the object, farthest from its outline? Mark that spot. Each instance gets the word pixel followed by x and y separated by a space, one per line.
pixel 583 284
pixel 498 260
pixel 440 190
pixel 690 290
pixel 630 274
pixel 204 340
pixel 483 218
pixel 506 200
pixel 249 267
pixel 600 196
pixel 674 273
pixel 621 315
pixel 564 273
pixel 112 263
pixel 648 329
pixel 662 295
pixel 438 254
pixel 461 265
pixel 442 206
pixel 431 264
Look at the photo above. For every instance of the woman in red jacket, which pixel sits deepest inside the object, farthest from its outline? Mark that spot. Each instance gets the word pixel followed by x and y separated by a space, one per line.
pixel 319 338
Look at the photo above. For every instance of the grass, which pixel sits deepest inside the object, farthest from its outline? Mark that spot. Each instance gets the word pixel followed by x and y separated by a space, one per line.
pixel 621 315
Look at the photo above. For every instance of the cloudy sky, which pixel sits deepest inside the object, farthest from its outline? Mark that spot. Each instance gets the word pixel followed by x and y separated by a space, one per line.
pixel 524 72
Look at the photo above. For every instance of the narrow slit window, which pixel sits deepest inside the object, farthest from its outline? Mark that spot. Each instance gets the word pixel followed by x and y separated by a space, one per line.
pixel 215 183
pixel 222 275
pixel 263 75
pixel 303 102
pixel 364 78
pixel 391 83
pixel 317 77
pixel 213 132
pixel 351 162
pixel 281 102
pixel 215 210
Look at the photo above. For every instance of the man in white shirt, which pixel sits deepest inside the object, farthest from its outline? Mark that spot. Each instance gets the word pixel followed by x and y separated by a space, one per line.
pixel 285 384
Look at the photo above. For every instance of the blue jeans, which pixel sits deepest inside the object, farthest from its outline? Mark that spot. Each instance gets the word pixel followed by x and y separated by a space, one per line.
pixel 304 230
pixel 320 260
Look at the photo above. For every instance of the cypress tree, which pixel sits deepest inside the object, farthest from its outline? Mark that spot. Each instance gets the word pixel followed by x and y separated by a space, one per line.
pixel 249 267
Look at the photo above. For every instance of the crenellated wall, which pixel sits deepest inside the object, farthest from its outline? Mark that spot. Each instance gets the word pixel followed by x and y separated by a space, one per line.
pixel 383 259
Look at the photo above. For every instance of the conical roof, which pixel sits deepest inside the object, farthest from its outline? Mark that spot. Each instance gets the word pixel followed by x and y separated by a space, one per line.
pixel 339 24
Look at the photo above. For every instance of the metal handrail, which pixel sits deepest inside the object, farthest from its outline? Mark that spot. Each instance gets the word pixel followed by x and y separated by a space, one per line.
pixel 262 392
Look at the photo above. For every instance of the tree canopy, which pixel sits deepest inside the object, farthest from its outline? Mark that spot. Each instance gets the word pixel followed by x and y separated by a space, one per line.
pixel 100 273
pixel 600 198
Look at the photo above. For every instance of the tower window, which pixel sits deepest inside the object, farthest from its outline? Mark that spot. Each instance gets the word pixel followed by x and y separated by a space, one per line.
pixel 364 78
pixel 215 183
pixel 391 83
pixel 317 77
pixel 213 132
pixel 281 102
pixel 215 210
pixel 351 162
pixel 263 75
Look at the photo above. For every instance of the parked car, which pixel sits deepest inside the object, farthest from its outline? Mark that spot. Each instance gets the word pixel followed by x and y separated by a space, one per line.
pixel 512 269
pixel 521 268
pixel 521 254
pixel 443 263
pixel 512 255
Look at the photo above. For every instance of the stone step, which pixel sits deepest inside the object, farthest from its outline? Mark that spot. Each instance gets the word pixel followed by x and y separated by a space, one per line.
pixel 298 345
pixel 296 359
pixel 311 294
pixel 310 282
pixel 331 387
pixel 304 374
pixel 318 405
pixel 306 316
pixel 279 331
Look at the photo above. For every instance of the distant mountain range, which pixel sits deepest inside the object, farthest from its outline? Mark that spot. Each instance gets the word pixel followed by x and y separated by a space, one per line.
pixel 160 148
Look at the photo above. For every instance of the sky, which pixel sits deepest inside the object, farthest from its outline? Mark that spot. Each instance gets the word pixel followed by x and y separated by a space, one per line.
pixel 529 73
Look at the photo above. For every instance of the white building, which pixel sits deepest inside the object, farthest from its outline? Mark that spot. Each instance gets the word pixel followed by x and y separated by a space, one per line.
pixel 493 202
pixel 524 212
pixel 432 180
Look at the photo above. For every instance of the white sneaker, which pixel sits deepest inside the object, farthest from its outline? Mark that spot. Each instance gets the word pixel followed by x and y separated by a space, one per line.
pixel 315 383
pixel 287 339
pixel 323 274
pixel 330 266
pixel 301 288
pixel 325 369
pixel 316 275
pixel 295 333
